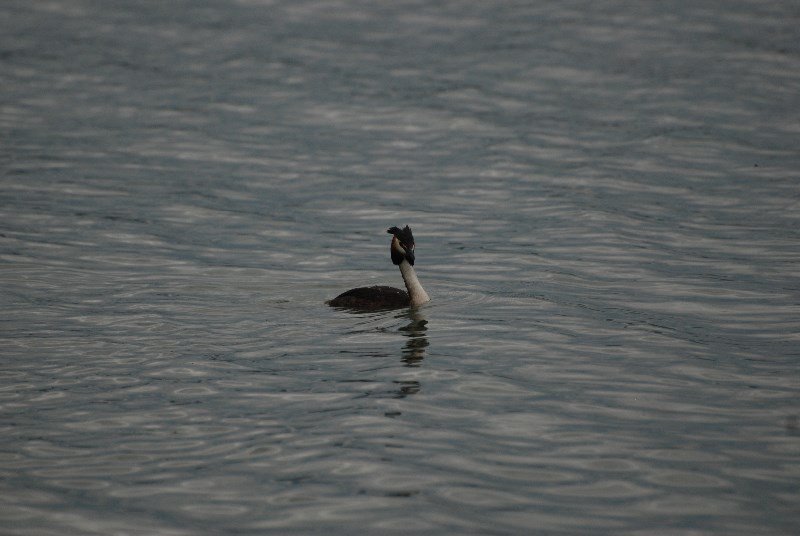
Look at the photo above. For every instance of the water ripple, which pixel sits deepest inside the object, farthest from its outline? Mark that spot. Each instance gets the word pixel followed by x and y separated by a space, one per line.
pixel 604 202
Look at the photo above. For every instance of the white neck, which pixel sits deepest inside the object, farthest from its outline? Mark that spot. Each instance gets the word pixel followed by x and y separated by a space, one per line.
pixel 415 291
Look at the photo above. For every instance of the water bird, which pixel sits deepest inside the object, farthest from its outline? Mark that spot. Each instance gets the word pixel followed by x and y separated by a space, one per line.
pixel 382 297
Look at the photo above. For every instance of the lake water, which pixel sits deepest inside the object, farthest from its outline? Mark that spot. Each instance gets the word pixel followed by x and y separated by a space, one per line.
pixel 605 198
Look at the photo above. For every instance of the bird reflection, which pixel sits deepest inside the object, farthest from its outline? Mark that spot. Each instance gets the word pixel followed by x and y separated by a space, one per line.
pixel 412 353
pixel 414 349
pixel 407 388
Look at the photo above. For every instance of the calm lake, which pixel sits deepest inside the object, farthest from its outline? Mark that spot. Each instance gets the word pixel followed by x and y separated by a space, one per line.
pixel 605 197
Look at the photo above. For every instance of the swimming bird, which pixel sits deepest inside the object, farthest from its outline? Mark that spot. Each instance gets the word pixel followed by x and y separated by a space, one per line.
pixel 380 297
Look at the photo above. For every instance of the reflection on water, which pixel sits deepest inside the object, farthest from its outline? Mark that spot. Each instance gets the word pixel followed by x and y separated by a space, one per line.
pixel 793 425
pixel 407 388
pixel 415 345
pixel 413 351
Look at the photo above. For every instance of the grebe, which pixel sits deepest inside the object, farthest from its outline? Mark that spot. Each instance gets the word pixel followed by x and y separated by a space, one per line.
pixel 379 297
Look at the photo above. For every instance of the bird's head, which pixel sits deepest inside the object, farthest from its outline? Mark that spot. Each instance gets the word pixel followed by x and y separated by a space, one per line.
pixel 402 245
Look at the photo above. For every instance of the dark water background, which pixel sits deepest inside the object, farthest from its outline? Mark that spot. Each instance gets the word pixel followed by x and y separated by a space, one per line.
pixel 606 201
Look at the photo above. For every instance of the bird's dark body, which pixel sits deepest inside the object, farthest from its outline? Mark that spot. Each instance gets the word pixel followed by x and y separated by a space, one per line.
pixel 378 297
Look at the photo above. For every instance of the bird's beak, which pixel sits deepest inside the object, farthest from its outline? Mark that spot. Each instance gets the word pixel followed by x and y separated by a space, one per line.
pixel 410 256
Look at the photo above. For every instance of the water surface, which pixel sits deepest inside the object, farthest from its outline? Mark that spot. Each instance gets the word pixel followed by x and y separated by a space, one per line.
pixel 606 206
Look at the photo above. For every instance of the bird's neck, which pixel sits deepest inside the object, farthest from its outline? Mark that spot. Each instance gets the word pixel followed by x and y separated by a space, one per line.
pixel 416 293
